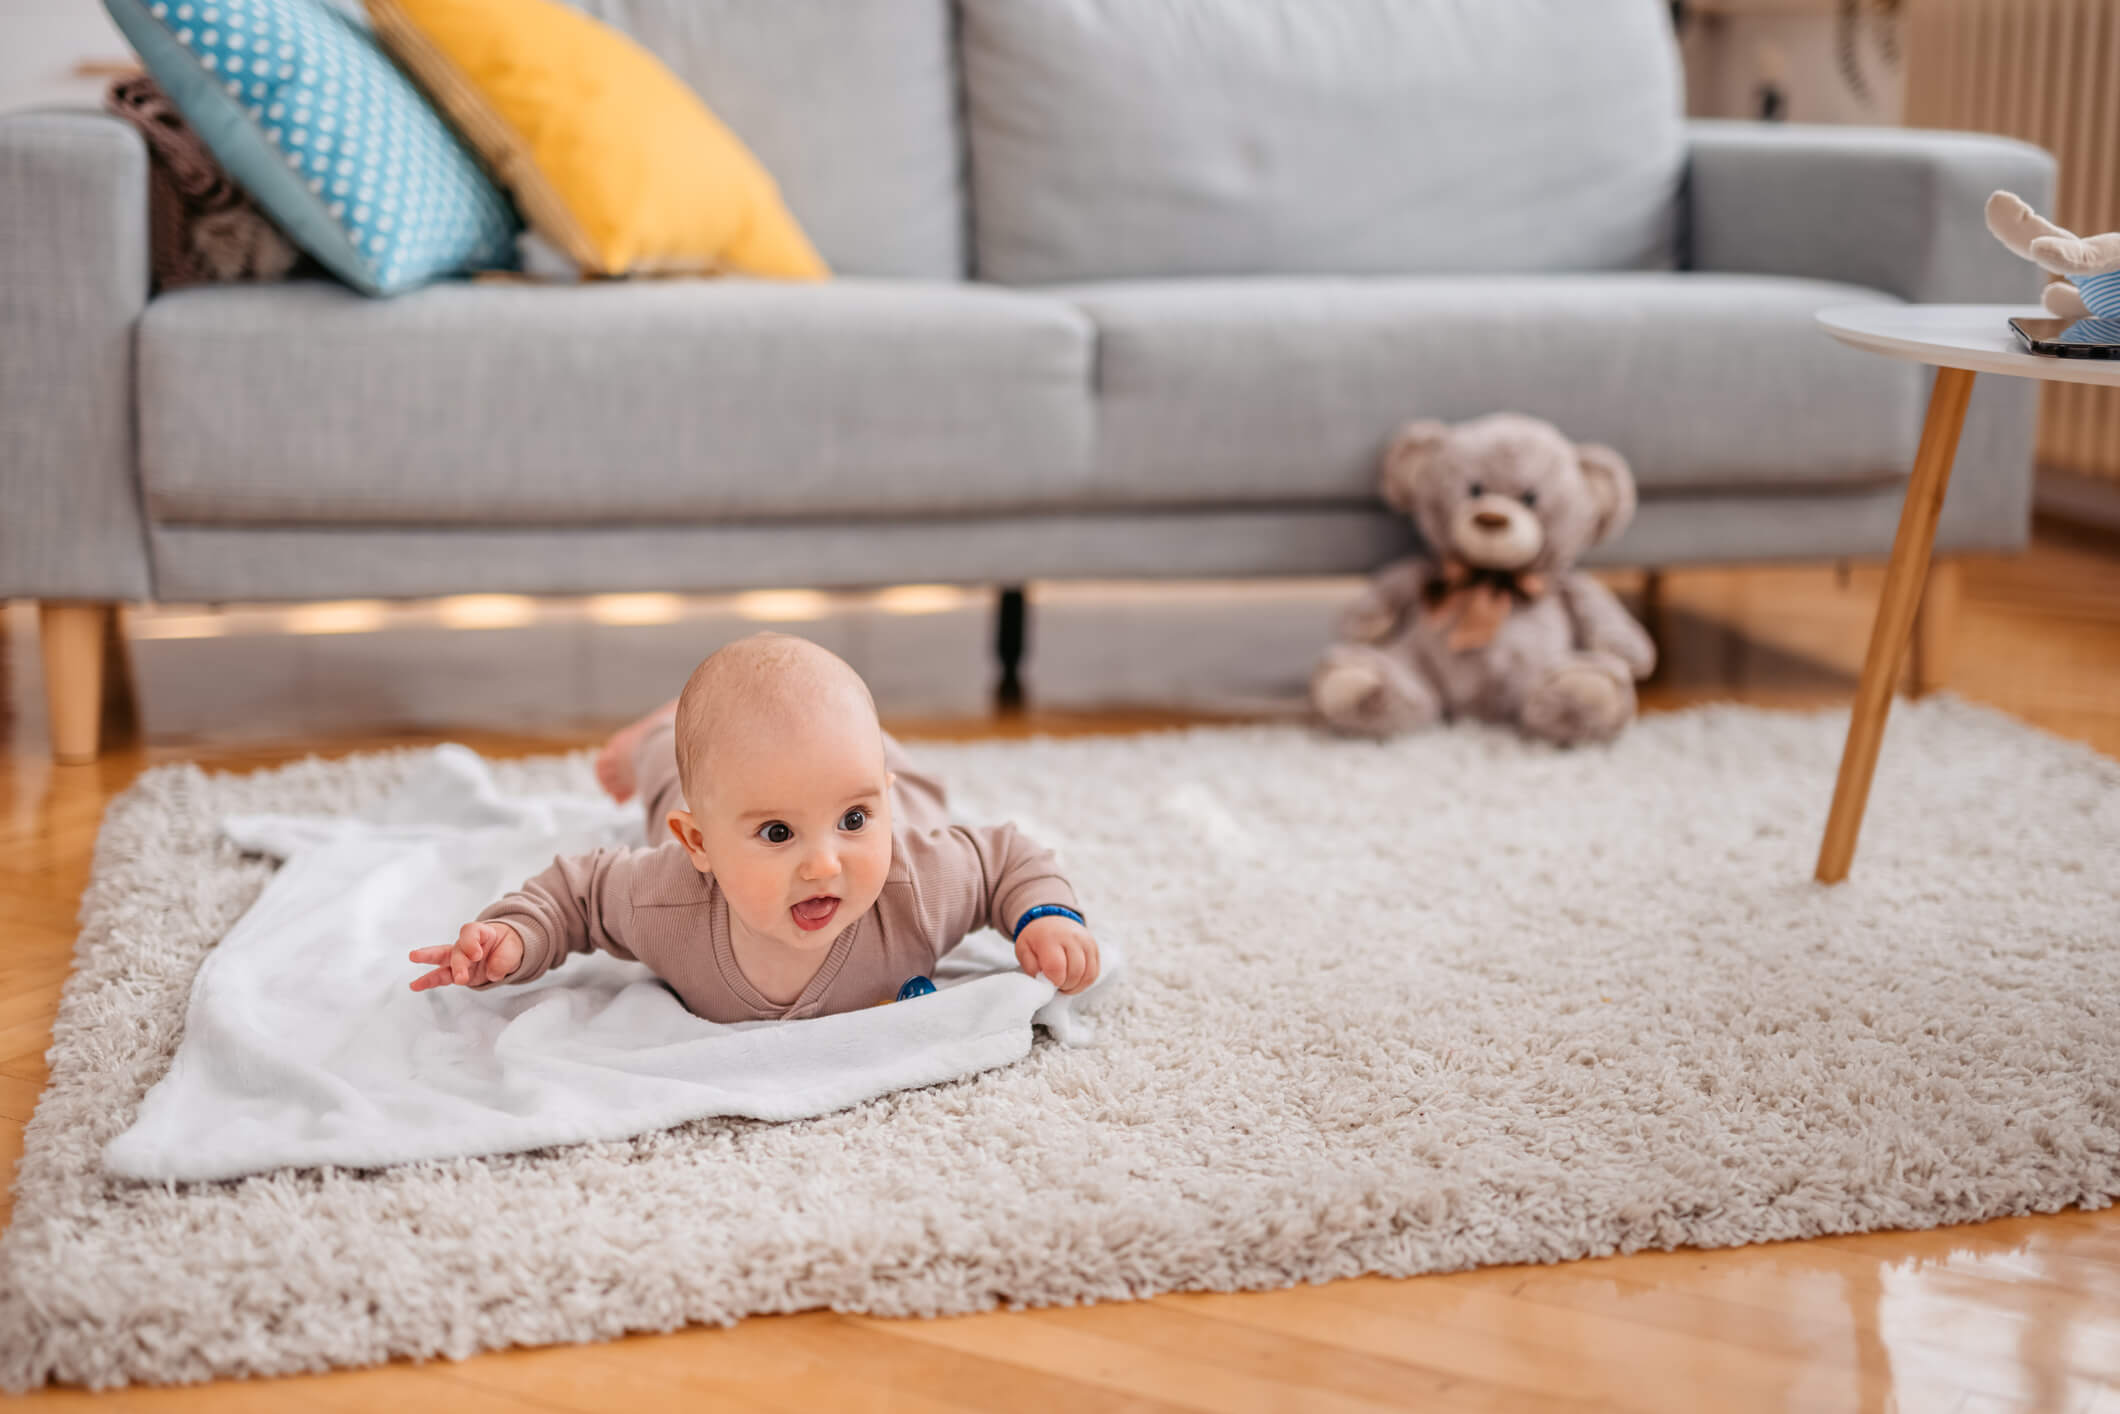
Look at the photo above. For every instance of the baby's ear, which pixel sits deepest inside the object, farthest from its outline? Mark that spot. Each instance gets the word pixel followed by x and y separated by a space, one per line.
pixel 1611 486
pixel 680 823
pixel 1407 459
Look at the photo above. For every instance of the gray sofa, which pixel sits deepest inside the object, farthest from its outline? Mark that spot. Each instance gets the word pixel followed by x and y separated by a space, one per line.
pixel 1127 288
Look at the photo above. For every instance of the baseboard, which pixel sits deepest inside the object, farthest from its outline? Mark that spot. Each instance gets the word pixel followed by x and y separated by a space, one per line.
pixel 2070 495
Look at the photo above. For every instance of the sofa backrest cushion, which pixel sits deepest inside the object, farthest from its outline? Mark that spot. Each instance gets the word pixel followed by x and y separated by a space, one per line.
pixel 850 104
pixel 1117 138
pixel 550 97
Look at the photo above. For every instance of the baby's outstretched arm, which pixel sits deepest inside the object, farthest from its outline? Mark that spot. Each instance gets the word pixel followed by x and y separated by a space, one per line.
pixel 483 953
pixel 996 876
pixel 580 903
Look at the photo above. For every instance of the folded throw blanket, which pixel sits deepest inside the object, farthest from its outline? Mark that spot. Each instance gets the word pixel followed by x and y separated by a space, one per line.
pixel 201 226
pixel 304 1046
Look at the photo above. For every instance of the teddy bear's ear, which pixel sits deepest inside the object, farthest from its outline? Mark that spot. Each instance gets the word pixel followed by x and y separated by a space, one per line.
pixel 1405 459
pixel 1611 485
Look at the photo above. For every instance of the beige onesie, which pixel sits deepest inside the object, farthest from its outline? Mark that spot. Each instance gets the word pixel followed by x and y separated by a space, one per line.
pixel 650 904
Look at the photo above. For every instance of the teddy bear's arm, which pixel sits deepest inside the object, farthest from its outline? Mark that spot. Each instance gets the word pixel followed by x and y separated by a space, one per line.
pixel 1602 624
pixel 1385 599
pixel 2076 256
pixel 2054 249
pixel 2016 225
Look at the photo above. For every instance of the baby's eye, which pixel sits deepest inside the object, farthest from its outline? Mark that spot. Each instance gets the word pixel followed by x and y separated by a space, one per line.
pixel 1476 490
pixel 775 832
pixel 1529 498
pixel 854 819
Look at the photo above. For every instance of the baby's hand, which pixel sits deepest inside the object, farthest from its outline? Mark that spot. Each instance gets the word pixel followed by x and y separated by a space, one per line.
pixel 1058 948
pixel 484 952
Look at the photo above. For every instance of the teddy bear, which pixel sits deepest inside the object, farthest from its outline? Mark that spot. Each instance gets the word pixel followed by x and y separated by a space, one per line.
pixel 2089 266
pixel 1494 622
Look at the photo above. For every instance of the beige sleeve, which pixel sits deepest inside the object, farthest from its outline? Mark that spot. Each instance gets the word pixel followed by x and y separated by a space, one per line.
pixel 1025 875
pixel 1000 872
pixel 917 797
pixel 580 902
pixel 655 777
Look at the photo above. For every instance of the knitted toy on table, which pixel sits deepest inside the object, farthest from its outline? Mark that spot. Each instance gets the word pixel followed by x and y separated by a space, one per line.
pixel 2089 266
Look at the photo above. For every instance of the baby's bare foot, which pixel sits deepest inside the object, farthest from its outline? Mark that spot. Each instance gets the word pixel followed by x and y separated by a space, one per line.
pixel 614 764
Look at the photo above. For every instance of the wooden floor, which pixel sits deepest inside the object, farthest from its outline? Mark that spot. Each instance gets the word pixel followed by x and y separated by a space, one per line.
pixel 2018 1314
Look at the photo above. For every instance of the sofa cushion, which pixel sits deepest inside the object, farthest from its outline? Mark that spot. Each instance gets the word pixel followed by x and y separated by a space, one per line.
pixel 1114 138
pixel 1218 391
pixel 306 112
pixel 610 157
pixel 850 104
pixel 627 403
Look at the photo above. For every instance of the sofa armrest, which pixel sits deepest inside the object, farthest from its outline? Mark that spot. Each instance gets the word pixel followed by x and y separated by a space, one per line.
pixel 1894 209
pixel 73 281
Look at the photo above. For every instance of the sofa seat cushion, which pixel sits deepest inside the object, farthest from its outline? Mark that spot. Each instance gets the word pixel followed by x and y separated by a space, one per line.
pixel 1141 138
pixel 1286 390
pixel 618 403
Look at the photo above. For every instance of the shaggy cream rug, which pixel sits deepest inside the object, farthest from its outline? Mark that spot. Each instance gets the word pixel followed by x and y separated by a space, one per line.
pixel 1404 1008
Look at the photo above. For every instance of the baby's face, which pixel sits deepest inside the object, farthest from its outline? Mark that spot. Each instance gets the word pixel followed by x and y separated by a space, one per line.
pixel 795 824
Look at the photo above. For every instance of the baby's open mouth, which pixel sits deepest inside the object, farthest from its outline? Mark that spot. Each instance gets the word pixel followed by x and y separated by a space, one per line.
pixel 813 913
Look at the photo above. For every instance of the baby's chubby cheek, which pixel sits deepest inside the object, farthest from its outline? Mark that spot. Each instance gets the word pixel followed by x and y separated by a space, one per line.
pixel 758 897
pixel 862 881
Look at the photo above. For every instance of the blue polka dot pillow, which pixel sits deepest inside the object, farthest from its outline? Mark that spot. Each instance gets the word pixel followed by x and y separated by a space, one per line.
pixel 309 115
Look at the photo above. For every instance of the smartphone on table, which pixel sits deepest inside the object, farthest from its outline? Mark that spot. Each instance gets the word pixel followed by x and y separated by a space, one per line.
pixel 2070 338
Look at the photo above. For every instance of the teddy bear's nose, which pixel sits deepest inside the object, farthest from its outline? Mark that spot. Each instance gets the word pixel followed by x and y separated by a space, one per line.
pixel 1491 520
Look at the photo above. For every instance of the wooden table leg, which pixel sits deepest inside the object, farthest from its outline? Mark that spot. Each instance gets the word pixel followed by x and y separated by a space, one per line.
pixel 1895 618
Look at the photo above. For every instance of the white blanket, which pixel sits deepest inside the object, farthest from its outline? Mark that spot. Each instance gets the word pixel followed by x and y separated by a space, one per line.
pixel 303 1044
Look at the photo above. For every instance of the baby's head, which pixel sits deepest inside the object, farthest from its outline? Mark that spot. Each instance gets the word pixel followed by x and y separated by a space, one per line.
pixel 781 759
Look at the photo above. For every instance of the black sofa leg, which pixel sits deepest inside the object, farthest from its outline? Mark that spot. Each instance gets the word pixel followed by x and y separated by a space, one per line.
pixel 1011 629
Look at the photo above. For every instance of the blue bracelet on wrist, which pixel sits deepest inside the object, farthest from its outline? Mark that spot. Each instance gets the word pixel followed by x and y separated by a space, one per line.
pixel 1046 910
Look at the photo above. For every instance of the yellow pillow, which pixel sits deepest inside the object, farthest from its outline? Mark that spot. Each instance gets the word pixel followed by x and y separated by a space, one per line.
pixel 611 158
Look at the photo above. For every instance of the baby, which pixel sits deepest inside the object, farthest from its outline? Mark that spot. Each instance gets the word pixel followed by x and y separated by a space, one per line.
pixel 812 869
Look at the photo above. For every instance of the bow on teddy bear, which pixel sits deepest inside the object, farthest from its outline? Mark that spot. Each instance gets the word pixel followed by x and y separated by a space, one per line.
pixel 1494 622
pixel 2089 266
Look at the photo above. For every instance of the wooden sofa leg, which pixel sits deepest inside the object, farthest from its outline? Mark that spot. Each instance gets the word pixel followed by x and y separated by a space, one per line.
pixel 73 634
pixel 1936 628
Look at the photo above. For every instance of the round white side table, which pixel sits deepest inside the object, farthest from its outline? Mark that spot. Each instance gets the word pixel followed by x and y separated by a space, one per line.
pixel 1961 340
